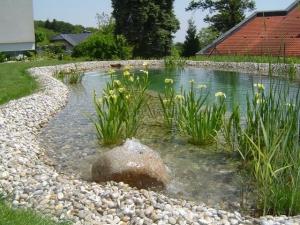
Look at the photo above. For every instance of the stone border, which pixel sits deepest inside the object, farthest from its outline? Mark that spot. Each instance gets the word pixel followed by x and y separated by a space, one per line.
pixel 248 67
pixel 30 182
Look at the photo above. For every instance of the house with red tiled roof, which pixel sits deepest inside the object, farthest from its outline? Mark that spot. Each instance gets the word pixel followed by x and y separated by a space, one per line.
pixel 263 33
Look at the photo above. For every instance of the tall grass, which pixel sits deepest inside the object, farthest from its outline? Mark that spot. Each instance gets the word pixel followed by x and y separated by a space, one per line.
pixel 119 109
pixel 192 114
pixel 199 120
pixel 268 142
pixel 168 103
pixel 247 58
pixel 69 77
pixel 174 62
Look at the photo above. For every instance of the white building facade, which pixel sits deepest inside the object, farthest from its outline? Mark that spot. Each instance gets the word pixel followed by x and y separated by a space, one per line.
pixel 16 26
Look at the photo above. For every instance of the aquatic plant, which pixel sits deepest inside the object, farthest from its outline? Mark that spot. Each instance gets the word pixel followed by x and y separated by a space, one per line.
pixel 174 62
pixel 268 142
pixel 199 120
pixel 108 123
pixel 119 109
pixel 73 76
pixel 168 103
pixel 231 128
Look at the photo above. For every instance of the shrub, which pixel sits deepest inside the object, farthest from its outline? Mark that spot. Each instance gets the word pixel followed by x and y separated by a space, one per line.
pixel 2 57
pixel 103 47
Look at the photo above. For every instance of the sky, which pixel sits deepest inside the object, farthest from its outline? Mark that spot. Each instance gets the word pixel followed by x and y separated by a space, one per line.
pixel 84 11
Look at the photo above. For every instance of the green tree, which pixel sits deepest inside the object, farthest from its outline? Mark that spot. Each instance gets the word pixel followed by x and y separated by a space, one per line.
pixel 191 44
pixel 39 37
pixel 223 14
pixel 147 25
pixel 207 35
pixel 105 22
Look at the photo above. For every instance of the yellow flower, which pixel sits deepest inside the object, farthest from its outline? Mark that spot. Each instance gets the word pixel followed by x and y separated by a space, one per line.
pixel 131 78
pixel 220 94
pixel 145 72
pixel 111 92
pixel 111 71
pixel 114 97
pixel 121 90
pixel 202 86
pixel 259 86
pixel 127 97
pixel 179 97
pixel 165 101
pixel 259 101
pixel 126 73
pixel 169 81
pixel 145 64
pixel 117 83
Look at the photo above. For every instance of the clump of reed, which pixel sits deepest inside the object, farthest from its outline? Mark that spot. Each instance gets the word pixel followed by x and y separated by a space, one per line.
pixel 118 110
pixel 174 62
pixel 268 143
pixel 73 76
pixel 191 113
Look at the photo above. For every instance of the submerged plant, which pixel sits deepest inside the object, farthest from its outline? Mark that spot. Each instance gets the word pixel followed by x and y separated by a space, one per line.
pixel 119 109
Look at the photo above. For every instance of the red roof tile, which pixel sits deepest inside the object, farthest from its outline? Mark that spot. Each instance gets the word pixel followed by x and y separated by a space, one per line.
pixel 275 34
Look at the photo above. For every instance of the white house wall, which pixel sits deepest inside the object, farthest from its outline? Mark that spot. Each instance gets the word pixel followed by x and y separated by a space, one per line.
pixel 16 25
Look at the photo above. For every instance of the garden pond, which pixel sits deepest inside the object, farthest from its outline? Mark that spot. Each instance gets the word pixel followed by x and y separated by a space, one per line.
pixel 203 174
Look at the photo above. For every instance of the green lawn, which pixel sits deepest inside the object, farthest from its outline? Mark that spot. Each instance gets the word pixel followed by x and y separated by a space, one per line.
pixel 15 82
pixel 9 216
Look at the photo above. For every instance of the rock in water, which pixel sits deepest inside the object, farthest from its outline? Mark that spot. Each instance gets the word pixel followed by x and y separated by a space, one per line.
pixel 132 163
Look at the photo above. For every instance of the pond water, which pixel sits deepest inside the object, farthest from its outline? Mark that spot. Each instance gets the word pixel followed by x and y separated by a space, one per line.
pixel 201 174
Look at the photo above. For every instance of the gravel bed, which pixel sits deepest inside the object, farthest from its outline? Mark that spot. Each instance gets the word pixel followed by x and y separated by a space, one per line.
pixel 30 181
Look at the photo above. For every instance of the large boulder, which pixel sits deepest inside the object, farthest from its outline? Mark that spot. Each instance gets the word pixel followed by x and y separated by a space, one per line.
pixel 132 163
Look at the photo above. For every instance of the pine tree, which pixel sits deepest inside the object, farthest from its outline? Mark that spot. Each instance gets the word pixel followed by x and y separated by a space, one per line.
pixel 148 25
pixel 223 14
pixel 191 44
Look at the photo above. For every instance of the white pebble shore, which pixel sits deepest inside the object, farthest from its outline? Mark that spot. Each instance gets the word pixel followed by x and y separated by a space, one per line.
pixel 30 182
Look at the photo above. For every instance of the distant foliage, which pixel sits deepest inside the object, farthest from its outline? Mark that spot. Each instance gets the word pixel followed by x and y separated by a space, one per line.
pixel 207 35
pixel 223 14
pixel 105 22
pixel 191 44
pixel 103 47
pixel 149 27
pixel 2 57
pixel 39 37
pixel 62 27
